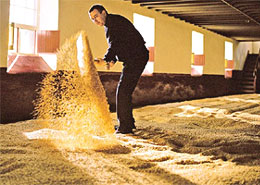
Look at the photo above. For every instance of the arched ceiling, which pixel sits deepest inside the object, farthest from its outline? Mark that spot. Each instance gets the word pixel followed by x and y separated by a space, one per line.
pixel 237 19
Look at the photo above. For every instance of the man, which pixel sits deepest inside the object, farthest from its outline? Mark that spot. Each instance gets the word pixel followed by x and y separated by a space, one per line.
pixel 127 45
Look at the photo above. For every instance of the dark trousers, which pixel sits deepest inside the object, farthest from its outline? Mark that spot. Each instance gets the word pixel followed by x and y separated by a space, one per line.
pixel 127 83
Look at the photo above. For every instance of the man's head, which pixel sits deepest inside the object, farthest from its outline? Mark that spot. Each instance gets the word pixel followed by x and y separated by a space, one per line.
pixel 98 14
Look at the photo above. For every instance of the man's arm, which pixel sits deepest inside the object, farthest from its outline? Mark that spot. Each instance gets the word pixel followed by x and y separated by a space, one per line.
pixel 113 42
pixel 111 53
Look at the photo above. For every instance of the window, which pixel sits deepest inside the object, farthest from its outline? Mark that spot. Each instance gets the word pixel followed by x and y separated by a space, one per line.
pixel 32 49
pixel 197 56
pixel 197 43
pixel 228 50
pixel 23 23
pixel 146 27
pixel 26 8
pixel 229 63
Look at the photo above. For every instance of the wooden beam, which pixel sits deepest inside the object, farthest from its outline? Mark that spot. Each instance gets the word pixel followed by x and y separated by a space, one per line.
pixel 172 5
pixel 198 9
pixel 158 2
pixel 205 13
pixel 163 1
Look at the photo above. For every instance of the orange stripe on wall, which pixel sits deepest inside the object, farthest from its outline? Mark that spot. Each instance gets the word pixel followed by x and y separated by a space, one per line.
pixel 229 64
pixel 151 54
pixel 199 60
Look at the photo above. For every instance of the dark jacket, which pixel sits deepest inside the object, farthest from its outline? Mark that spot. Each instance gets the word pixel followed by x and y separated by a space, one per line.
pixel 125 43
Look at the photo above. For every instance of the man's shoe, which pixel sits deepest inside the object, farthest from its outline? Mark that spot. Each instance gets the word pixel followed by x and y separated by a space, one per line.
pixel 116 127
pixel 118 131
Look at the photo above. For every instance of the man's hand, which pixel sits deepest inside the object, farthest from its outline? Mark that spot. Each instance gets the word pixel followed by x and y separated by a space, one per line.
pixel 101 62
pixel 110 64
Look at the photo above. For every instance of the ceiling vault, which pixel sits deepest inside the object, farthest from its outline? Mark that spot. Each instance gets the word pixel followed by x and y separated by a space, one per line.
pixel 242 12
pixel 237 19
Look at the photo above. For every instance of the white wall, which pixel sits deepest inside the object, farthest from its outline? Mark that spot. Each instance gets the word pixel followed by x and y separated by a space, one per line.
pixel 241 52
pixel 255 47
